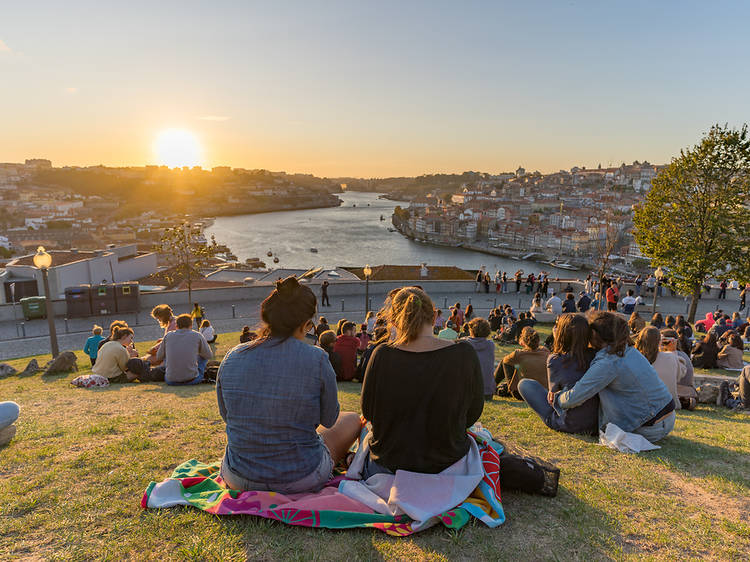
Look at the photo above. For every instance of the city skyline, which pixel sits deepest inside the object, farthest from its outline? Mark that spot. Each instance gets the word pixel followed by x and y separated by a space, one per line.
pixel 371 90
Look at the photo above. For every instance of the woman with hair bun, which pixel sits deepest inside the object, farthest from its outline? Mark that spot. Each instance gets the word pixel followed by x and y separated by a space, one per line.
pixel 631 395
pixel 278 397
pixel 420 393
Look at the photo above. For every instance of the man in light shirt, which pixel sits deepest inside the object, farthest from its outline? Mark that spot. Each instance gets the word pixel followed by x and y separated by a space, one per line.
pixel 554 304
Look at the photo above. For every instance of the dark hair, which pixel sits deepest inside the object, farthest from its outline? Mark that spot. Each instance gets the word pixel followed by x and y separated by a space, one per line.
pixel 670 321
pixel 327 338
pixel 572 338
pixel 120 332
pixel 346 326
pixel 647 343
pixel 479 328
pixel 287 308
pixel 612 330
pixel 710 338
pixel 116 324
pixel 381 334
pixel 680 320
pixel 736 341
pixel 184 321
pixel 469 309
pixel 569 296
pixel 529 338
pixel 322 320
pixel 657 319
pixel 245 329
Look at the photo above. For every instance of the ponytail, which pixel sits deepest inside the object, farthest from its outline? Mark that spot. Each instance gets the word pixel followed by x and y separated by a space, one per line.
pixel 408 310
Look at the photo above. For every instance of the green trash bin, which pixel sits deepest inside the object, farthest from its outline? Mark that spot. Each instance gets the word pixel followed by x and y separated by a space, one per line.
pixel 33 307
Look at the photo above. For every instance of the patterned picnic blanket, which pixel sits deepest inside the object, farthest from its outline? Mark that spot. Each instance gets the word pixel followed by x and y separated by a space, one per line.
pixel 199 485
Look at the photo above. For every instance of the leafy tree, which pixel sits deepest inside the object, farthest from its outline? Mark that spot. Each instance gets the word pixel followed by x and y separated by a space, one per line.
pixel 606 243
pixel 186 252
pixel 695 220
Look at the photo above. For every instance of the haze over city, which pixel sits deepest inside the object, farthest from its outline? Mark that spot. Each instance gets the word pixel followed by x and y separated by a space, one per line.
pixel 379 89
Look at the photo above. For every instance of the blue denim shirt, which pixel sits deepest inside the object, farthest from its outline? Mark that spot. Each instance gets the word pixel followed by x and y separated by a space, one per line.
pixel 630 391
pixel 273 396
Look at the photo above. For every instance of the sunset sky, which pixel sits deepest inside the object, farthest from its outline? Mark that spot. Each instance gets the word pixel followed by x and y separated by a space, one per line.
pixel 370 88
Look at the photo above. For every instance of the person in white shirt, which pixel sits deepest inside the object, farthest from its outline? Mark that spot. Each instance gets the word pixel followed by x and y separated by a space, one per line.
pixel 207 331
pixel 666 364
pixel 554 304
pixel 628 303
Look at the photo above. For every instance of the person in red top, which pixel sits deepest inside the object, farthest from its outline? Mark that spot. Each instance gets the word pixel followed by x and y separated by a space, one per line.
pixel 346 346
pixel 612 297
pixel 363 337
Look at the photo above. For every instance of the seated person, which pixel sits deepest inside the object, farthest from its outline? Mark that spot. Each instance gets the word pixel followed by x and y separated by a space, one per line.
pixel 704 352
pixel 326 340
pixel 112 327
pixel 536 303
pixel 584 302
pixel 247 335
pixel 112 359
pixel 165 317
pixel 8 415
pixel 274 395
pixel 628 303
pixel 322 326
pixel 185 353
pixel 439 322
pixel 207 331
pixel 730 356
pixel 448 333
pixel 569 304
pixel 381 336
pixel 657 321
pixel 364 338
pixel 741 398
pixel 685 382
pixel 568 362
pixel 346 346
pixel 720 327
pixel 529 362
pixel 636 323
pixel 441 396
pixel 554 304
pixel 706 324
pixel 666 364
pixel 631 394
pixel 479 331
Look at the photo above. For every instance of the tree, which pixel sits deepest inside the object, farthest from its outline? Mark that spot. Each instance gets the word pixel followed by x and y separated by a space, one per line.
pixel 695 220
pixel 187 252
pixel 606 243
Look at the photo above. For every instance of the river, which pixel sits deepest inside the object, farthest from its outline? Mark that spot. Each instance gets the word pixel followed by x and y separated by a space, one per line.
pixel 348 235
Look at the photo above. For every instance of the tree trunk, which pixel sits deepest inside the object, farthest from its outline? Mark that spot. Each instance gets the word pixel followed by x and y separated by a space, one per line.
pixel 694 303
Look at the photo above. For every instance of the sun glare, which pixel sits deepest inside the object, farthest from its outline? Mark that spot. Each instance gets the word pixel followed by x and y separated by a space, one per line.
pixel 177 148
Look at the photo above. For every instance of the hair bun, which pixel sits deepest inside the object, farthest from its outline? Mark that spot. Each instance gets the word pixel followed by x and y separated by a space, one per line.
pixel 287 288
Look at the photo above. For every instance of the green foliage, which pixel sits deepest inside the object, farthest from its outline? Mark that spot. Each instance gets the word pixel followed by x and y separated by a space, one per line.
pixel 695 220
pixel 186 253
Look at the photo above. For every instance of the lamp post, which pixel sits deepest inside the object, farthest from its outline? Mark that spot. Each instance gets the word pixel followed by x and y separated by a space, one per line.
pixel 367 271
pixel 43 261
pixel 658 274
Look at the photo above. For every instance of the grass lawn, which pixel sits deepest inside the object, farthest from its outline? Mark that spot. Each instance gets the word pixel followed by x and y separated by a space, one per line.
pixel 72 479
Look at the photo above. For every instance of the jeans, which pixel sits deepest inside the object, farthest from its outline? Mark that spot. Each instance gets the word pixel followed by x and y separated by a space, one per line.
pixel 535 396
pixel 197 380
pixel 8 413
pixel 659 430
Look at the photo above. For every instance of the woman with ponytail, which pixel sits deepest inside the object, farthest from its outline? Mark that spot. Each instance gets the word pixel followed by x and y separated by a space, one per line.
pixel 419 392
pixel 112 359
pixel 278 397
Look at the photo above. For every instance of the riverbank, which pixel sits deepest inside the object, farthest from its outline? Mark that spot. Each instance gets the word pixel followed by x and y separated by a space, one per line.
pixel 252 207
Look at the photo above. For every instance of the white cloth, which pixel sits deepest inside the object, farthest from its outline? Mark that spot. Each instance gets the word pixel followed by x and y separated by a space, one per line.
pixel 623 441
pixel 420 496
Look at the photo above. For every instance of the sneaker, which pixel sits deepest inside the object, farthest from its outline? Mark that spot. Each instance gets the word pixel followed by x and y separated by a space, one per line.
pixel 723 393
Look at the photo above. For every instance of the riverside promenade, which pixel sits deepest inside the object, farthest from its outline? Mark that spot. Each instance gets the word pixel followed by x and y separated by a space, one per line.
pixel 24 338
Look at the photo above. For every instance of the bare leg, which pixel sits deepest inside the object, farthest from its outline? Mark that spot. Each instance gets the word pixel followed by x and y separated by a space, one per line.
pixel 342 435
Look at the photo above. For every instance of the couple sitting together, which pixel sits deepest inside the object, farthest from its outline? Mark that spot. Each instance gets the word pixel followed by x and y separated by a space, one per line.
pixel 285 430
pixel 595 376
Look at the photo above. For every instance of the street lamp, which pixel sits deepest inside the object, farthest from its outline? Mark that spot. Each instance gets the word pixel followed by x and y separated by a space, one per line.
pixel 659 274
pixel 43 261
pixel 367 271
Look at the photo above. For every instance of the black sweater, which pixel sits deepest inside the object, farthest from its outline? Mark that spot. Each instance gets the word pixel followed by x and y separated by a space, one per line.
pixel 420 404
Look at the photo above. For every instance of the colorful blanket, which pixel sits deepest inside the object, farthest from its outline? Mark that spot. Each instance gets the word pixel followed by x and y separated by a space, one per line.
pixel 199 485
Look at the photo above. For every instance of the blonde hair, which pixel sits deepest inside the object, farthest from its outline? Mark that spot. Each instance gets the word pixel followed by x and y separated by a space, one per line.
pixel 162 313
pixel 205 324
pixel 96 330
pixel 408 311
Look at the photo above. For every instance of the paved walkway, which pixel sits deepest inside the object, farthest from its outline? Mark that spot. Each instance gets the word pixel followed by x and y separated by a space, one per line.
pixel 22 339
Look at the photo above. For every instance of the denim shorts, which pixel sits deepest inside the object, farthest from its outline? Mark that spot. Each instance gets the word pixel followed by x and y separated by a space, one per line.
pixel 313 482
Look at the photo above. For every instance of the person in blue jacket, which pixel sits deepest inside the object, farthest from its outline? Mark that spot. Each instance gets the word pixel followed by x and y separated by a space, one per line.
pixel 92 343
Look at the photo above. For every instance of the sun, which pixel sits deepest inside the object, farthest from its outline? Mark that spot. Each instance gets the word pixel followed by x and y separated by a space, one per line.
pixel 177 148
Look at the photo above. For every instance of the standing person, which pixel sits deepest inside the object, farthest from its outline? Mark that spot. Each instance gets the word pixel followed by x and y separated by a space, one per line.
pixel 479 331
pixel 631 395
pixel 275 395
pixel 185 353
pixel 611 296
pixel 498 281
pixel 478 281
pixel 545 287
pixel 487 282
pixel 439 321
pixel 650 284
pixel 588 285
pixel 743 297
pixel 505 282
pixel 518 278
pixel 723 289
pixel 197 315
pixel 638 284
pixel 91 348
pixel 459 316
pixel 324 294
pixel 346 346
pixel 469 314
pixel 569 360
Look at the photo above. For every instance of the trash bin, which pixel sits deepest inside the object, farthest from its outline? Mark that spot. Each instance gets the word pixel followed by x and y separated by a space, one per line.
pixel 126 296
pixel 33 307
pixel 103 299
pixel 78 301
